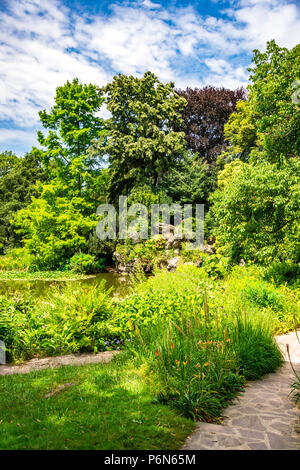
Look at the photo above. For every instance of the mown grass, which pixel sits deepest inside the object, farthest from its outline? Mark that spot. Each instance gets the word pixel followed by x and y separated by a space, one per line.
pixel 109 407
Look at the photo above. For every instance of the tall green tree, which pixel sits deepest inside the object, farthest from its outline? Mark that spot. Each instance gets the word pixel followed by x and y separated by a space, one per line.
pixel 60 219
pixel 190 182
pixel 18 178
pixel 256 211
pixel 72 123
pixel 143 143
pixel 268 126
pixel 8 161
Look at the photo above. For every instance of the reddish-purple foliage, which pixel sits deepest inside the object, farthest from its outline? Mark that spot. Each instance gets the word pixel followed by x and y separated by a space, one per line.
pixel 207 111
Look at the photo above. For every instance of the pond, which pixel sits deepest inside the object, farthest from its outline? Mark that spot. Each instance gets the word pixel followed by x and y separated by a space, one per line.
pixel 120 284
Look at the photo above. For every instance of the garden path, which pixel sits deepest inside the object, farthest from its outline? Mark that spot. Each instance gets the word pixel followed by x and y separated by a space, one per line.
pixel 264 417
pixel 52 362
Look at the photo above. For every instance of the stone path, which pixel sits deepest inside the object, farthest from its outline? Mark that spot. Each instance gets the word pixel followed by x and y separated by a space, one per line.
pixel 262 418
pixel 52 362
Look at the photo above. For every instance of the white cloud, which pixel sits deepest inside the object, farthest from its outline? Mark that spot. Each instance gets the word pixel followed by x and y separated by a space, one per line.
pixel 12 135
pixel 43 44
pixel 261 21
pixel 34 59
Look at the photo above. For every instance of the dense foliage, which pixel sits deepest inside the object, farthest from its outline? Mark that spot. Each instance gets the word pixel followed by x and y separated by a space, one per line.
pixel 256 206
pixel 143 143
pixel 236 153
pixel 193 340
pixel 204 117
pixel 266 127
pixel 88 318
pixel 257 211
pixel 18 177
pixel 59 220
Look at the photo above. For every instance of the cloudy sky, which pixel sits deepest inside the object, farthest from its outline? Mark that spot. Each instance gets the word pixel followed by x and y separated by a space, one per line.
pixel 45 43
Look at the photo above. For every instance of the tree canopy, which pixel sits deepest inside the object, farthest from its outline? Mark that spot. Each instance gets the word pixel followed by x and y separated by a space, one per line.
pixel 204 117
pixel 268 125
pixel 143 143
pixel 18 177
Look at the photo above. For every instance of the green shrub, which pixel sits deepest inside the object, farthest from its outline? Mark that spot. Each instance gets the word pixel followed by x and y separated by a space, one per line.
pixel 86 264
pixel 200 363
pixel 263 296
pixel 278 305
pixel 283 273
pixel 16 259
pixel 69 321
pixel 216 266
pixel 255 349
pixel 146 254
pixel 162 297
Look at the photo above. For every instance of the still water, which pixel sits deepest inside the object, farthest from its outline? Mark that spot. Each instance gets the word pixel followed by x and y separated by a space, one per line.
pixel 119 284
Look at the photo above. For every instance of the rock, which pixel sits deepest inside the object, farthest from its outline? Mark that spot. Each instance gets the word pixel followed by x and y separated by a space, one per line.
pixel 148 268
pixel 125 268
pixel 165 229
pixel 173 263
pixel 110 269
pixel 135 237
pixel 117 256
pixel 173 242
pixel 199 262
pixel 209 249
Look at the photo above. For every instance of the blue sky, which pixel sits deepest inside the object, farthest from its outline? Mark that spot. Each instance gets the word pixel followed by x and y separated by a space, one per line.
pixel 193 43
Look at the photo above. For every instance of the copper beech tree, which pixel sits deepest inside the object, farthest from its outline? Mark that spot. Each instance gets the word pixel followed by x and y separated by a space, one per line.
pixel 204 117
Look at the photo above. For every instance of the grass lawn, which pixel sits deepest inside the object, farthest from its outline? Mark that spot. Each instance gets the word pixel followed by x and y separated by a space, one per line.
pixel 109 407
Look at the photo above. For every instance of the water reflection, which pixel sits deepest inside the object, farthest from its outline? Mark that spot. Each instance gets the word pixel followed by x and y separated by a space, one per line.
pixel 120 285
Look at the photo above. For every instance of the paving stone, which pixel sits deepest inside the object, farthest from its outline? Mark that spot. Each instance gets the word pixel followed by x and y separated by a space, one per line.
pixel 257 446
pixel 252 422
pixel 249 434
pixel 278 442
pixel 263 418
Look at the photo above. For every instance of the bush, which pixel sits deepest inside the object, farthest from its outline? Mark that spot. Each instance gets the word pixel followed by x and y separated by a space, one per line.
pixel 147 255
pixel 283 272
pixel 256 211
pixel 261 295
pixel 163 297
pixel 216 266
pixel 255 348
pixel 86 264
pixel 277 305
pixel 200 363
pixel 71 320
pixel 16 259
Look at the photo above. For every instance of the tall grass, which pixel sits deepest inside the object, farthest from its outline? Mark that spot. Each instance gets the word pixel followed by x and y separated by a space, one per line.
pixel 199 364
pixel 81 318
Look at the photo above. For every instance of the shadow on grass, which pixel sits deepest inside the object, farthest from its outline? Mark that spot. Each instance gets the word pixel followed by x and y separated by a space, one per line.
pixel 109 407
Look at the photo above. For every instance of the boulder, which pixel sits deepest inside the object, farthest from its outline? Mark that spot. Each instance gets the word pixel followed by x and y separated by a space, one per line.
pixel 209 249
pixel 173 242
pixel 164 229
pixel 198 262
pixel 135 237
pixel 173 263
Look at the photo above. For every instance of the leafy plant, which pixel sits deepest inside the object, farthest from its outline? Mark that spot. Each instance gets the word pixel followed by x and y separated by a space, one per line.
pixel 199 363
pixel 87 264
pixel 70 320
